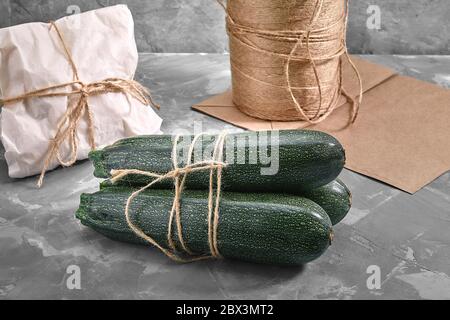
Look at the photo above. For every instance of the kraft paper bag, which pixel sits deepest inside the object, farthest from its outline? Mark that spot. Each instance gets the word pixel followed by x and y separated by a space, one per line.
pixel 103 46
pixel 401 137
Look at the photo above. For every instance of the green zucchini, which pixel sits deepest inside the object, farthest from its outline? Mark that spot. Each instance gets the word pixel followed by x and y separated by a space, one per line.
pixel 335 198
pixel 302 160
pixel 262 228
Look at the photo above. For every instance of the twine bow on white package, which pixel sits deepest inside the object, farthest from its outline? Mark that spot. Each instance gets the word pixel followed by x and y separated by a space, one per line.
pixel 67 87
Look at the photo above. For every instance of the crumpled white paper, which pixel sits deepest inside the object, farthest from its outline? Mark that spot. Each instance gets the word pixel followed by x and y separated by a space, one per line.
pixel 103 46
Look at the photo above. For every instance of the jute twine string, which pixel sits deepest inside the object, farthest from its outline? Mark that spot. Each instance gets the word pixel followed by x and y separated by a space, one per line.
pixel 68 124
pixel 322 37
pixel 179 176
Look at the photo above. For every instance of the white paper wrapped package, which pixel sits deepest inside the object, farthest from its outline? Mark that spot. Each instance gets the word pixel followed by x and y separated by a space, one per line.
pixel 102 45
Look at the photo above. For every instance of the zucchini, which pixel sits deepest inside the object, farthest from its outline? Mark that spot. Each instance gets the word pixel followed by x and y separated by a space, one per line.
pixel 262 228
pixel 335 198
pixel 303 160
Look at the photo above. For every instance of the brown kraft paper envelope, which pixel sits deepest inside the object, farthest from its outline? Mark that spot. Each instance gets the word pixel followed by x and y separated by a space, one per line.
pixel 401 137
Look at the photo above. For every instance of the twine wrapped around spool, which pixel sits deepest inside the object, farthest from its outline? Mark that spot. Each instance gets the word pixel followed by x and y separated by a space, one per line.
pixel 286 57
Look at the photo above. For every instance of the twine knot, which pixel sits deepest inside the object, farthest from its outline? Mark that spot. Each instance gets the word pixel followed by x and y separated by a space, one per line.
pixel 84 90
pixel 176 172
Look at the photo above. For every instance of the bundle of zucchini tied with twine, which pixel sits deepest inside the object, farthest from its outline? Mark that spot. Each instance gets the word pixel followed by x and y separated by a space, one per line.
pixel 287 58
pixel 215 207
pixel 67 127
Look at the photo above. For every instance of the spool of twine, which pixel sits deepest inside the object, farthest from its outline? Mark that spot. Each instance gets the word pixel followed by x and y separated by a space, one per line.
pixel 286 57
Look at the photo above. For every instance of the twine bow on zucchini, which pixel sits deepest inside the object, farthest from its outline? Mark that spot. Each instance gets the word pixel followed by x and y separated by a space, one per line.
pixel 179 175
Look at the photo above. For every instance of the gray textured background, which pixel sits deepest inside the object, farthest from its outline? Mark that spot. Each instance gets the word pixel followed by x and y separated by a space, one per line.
pixel 408 26
pixel 406 236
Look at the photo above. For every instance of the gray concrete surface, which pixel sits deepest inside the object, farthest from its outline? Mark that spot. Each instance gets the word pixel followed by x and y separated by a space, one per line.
pixel 407 26
pixel 405 236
